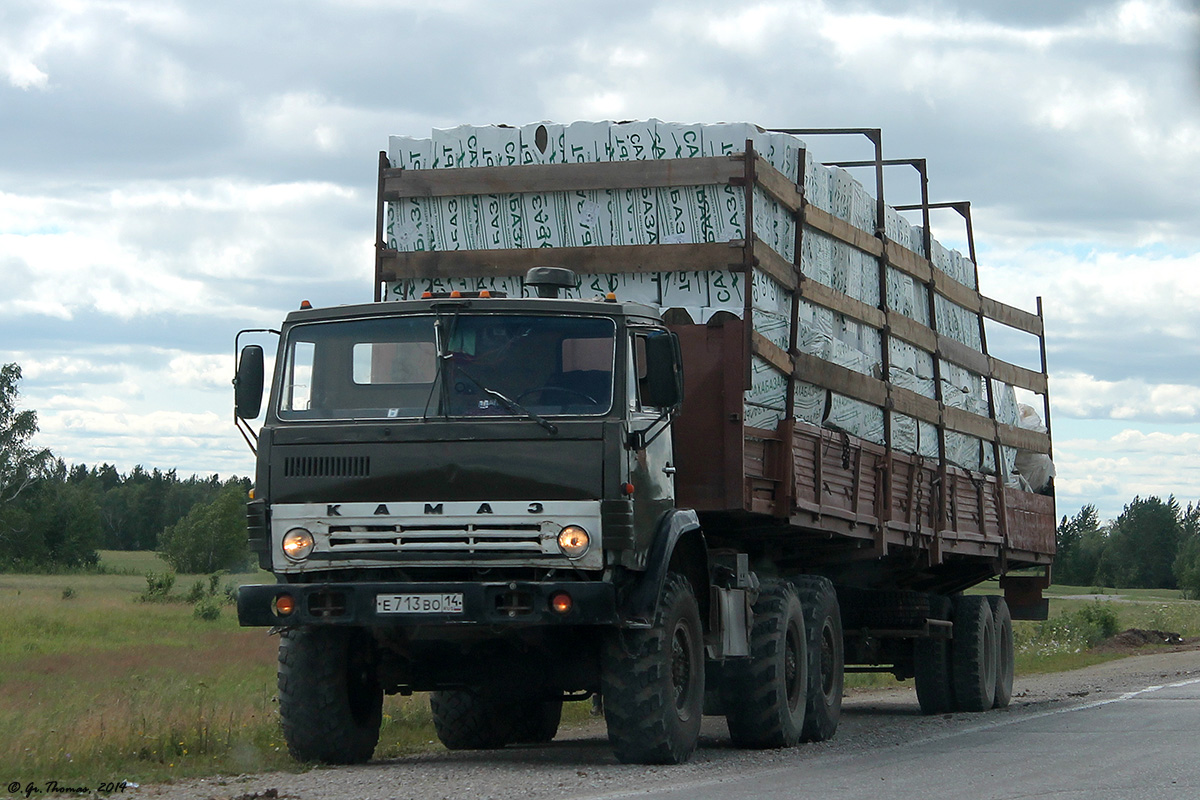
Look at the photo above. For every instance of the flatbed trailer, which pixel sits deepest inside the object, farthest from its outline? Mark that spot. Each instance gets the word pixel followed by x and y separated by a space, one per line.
pixel 805 494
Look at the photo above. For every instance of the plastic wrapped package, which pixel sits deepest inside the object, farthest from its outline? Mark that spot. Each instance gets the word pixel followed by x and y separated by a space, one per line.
pixel 1035 469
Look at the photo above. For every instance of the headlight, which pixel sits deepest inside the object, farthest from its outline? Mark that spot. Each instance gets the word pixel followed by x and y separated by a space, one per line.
pixel 573 541
pixel 297 544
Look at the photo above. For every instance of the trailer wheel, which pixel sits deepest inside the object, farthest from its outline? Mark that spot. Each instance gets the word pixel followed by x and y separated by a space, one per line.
pixel 765 695
pixel 533 721
pixel 826 657
pixel 973 653
pixel 465 720
pixel 1004 651
pixel 931 665
pixel 652 681
pixel 330 699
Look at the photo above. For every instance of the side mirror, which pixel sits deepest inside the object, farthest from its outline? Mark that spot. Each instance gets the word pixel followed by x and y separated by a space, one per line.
pixel 248 383
pixel 664 371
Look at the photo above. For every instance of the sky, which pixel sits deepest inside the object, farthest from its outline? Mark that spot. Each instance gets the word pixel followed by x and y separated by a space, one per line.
pixel 173 172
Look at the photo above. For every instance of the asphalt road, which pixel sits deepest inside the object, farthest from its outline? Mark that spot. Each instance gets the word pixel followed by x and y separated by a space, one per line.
pixel 1143 744
pixel 1127 729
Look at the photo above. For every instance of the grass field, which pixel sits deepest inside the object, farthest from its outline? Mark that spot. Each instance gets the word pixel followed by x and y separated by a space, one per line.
pixel 96 686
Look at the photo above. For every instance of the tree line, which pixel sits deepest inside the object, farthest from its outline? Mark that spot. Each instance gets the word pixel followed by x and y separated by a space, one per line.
pixel 55 515
pixel 1153 544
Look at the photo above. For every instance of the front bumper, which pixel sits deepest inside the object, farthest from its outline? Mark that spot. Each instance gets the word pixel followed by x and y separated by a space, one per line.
pixel 514 603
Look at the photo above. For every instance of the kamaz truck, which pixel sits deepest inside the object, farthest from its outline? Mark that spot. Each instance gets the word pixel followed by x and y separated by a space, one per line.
pixel 673 469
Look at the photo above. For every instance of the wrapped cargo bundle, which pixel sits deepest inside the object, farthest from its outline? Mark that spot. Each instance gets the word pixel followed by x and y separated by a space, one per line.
pixel 717 213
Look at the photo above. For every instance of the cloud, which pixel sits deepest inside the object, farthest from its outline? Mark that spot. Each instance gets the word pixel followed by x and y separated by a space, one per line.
pixel 1110 472
pixel 1075 394
pixel 1120 316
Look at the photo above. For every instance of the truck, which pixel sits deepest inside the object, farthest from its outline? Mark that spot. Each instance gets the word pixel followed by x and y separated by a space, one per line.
pixel 679 420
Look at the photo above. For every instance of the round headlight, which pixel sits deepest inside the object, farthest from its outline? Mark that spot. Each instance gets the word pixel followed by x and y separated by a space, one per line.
pixel 297 544
pixel 573 541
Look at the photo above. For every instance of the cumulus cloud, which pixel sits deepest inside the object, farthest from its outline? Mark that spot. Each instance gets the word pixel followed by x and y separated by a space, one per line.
pixel 1109 472
pixel 1076 394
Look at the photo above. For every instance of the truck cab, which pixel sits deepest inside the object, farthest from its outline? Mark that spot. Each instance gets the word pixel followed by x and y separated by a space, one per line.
pixel 459 489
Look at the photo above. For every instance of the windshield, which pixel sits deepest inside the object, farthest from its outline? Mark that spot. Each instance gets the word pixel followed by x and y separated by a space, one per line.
pixel 389 367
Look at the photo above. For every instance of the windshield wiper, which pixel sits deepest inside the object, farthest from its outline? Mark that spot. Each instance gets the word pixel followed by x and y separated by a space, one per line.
pixel 511 406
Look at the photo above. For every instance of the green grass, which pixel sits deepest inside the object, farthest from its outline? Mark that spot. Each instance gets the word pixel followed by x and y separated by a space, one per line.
pixel 131 562
pixel 96 685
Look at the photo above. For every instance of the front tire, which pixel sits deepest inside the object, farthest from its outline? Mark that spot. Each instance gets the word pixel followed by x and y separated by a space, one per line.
pixel 330 699
pixel 652 681
pixel 765 695
pixel 826 657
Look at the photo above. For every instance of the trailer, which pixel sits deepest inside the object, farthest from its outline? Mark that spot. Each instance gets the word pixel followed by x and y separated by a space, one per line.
pixel 688 435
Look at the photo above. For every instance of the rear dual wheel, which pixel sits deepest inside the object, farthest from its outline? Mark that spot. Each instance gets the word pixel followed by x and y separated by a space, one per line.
pixel 467 720
pixel 765 695
pixel 974 671
pixel 1004 651
pixel 826 657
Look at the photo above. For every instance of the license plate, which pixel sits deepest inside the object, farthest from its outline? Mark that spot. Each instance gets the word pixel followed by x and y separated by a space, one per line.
pixel 419 603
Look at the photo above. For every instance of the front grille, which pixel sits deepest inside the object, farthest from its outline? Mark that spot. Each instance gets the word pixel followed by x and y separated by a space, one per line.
pixel 456 541
pixel 326 466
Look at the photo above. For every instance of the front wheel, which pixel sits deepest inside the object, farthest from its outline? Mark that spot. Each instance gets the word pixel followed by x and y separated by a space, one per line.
pixel 330 699
pixel 652 681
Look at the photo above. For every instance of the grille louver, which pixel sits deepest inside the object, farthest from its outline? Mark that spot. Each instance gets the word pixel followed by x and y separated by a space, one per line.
pixel 326 466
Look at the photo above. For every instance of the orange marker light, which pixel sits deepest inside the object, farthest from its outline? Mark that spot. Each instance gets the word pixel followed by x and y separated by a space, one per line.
pixel 305 304
pixel 484 293
pixel 611 297
pixel 426 295
pixel 561 602
pixel 285 604
pixel 627 488
pixel 456 293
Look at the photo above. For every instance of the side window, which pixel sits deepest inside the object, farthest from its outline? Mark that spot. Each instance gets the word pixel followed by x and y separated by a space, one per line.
pixel 639 373
pixel 297 379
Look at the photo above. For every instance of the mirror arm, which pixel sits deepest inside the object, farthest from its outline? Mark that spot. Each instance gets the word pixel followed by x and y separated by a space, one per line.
pixel 247 433
pixel 638 439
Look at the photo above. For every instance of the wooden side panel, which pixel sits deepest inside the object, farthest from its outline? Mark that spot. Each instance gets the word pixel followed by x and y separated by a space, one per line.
pixel 761 489
pixel 1031 522
pixel 913 508
pixel 837 475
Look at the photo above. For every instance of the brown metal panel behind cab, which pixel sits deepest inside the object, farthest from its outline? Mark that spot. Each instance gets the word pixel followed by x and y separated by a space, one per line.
pixel 708 431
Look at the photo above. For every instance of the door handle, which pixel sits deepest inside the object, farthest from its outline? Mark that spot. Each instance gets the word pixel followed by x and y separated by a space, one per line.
pixel 668 470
